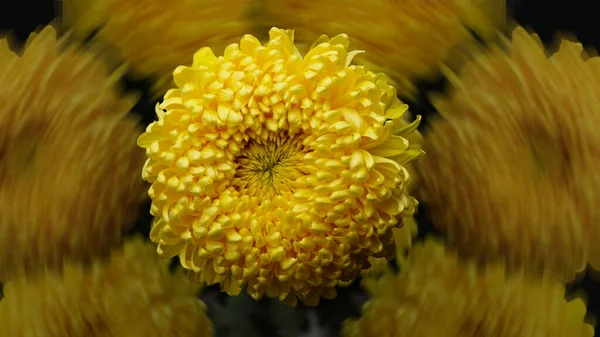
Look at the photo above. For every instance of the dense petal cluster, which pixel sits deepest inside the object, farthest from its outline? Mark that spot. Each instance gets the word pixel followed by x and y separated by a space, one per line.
pixel 514 171
pixel 406 39
pixel 403 237
pixel 69 168
pixel 276 171
pixel 153 37
pixel 435 294
pixel 133 294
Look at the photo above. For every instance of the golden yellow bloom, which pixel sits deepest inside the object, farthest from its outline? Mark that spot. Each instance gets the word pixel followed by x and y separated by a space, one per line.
pixel 435 294
pixel 514 171
pixel 273 170
pixel 69 169
pixel 153 37
pixel 131 295
pixel 406 39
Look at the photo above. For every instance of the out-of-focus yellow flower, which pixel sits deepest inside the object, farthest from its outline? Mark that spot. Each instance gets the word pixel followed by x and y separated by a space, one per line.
pixel 131 295
pixel 69 168
pixel 406 39
pixel 435 294
pixel 153 37
pixel 511 172
pixel 273 170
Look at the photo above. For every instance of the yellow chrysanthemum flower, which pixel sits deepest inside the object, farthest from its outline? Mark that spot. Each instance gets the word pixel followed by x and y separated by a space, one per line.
pixel 273 170
pixel 406 39
pixel 70 166
pixel 131 295
pixel 153 37
pixel 435 294
pixel 511 173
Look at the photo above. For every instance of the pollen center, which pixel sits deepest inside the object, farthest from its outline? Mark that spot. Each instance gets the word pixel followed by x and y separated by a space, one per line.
pixel 267 168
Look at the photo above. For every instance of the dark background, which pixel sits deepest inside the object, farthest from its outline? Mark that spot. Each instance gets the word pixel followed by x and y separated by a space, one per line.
pixel 544 17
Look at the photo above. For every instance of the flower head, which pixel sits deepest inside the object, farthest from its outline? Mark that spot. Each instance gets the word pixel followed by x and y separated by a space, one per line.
pixel 435 294
pixel 513 175
pixel 407 40
pixel 277 171
pixel 131 295
pixel 69 162
pixel 154 37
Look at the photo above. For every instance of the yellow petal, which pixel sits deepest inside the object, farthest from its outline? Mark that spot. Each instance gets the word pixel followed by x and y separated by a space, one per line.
pixel 204 57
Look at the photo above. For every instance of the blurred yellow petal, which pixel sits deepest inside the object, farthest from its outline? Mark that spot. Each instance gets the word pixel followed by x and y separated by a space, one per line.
pixel 510 172
pixel 69 178
pixel 407 40
pixel 435 294
pixel 154 37
pixel 133 294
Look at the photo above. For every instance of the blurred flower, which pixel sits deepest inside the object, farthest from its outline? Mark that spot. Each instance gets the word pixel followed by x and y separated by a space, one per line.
pixel 407 40
pixel 436 295
pixel 511 172
pixel 131 295
pixel 69 169
pixel 153 37
pixel 273 171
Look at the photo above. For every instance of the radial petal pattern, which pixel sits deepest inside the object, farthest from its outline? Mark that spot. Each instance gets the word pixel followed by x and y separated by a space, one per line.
pixel 435 294
pixel 131 295
pixel 276 171
pixel 69 169
pixel 512 168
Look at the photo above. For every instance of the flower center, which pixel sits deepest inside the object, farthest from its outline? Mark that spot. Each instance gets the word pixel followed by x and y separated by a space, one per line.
pixel 267 168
